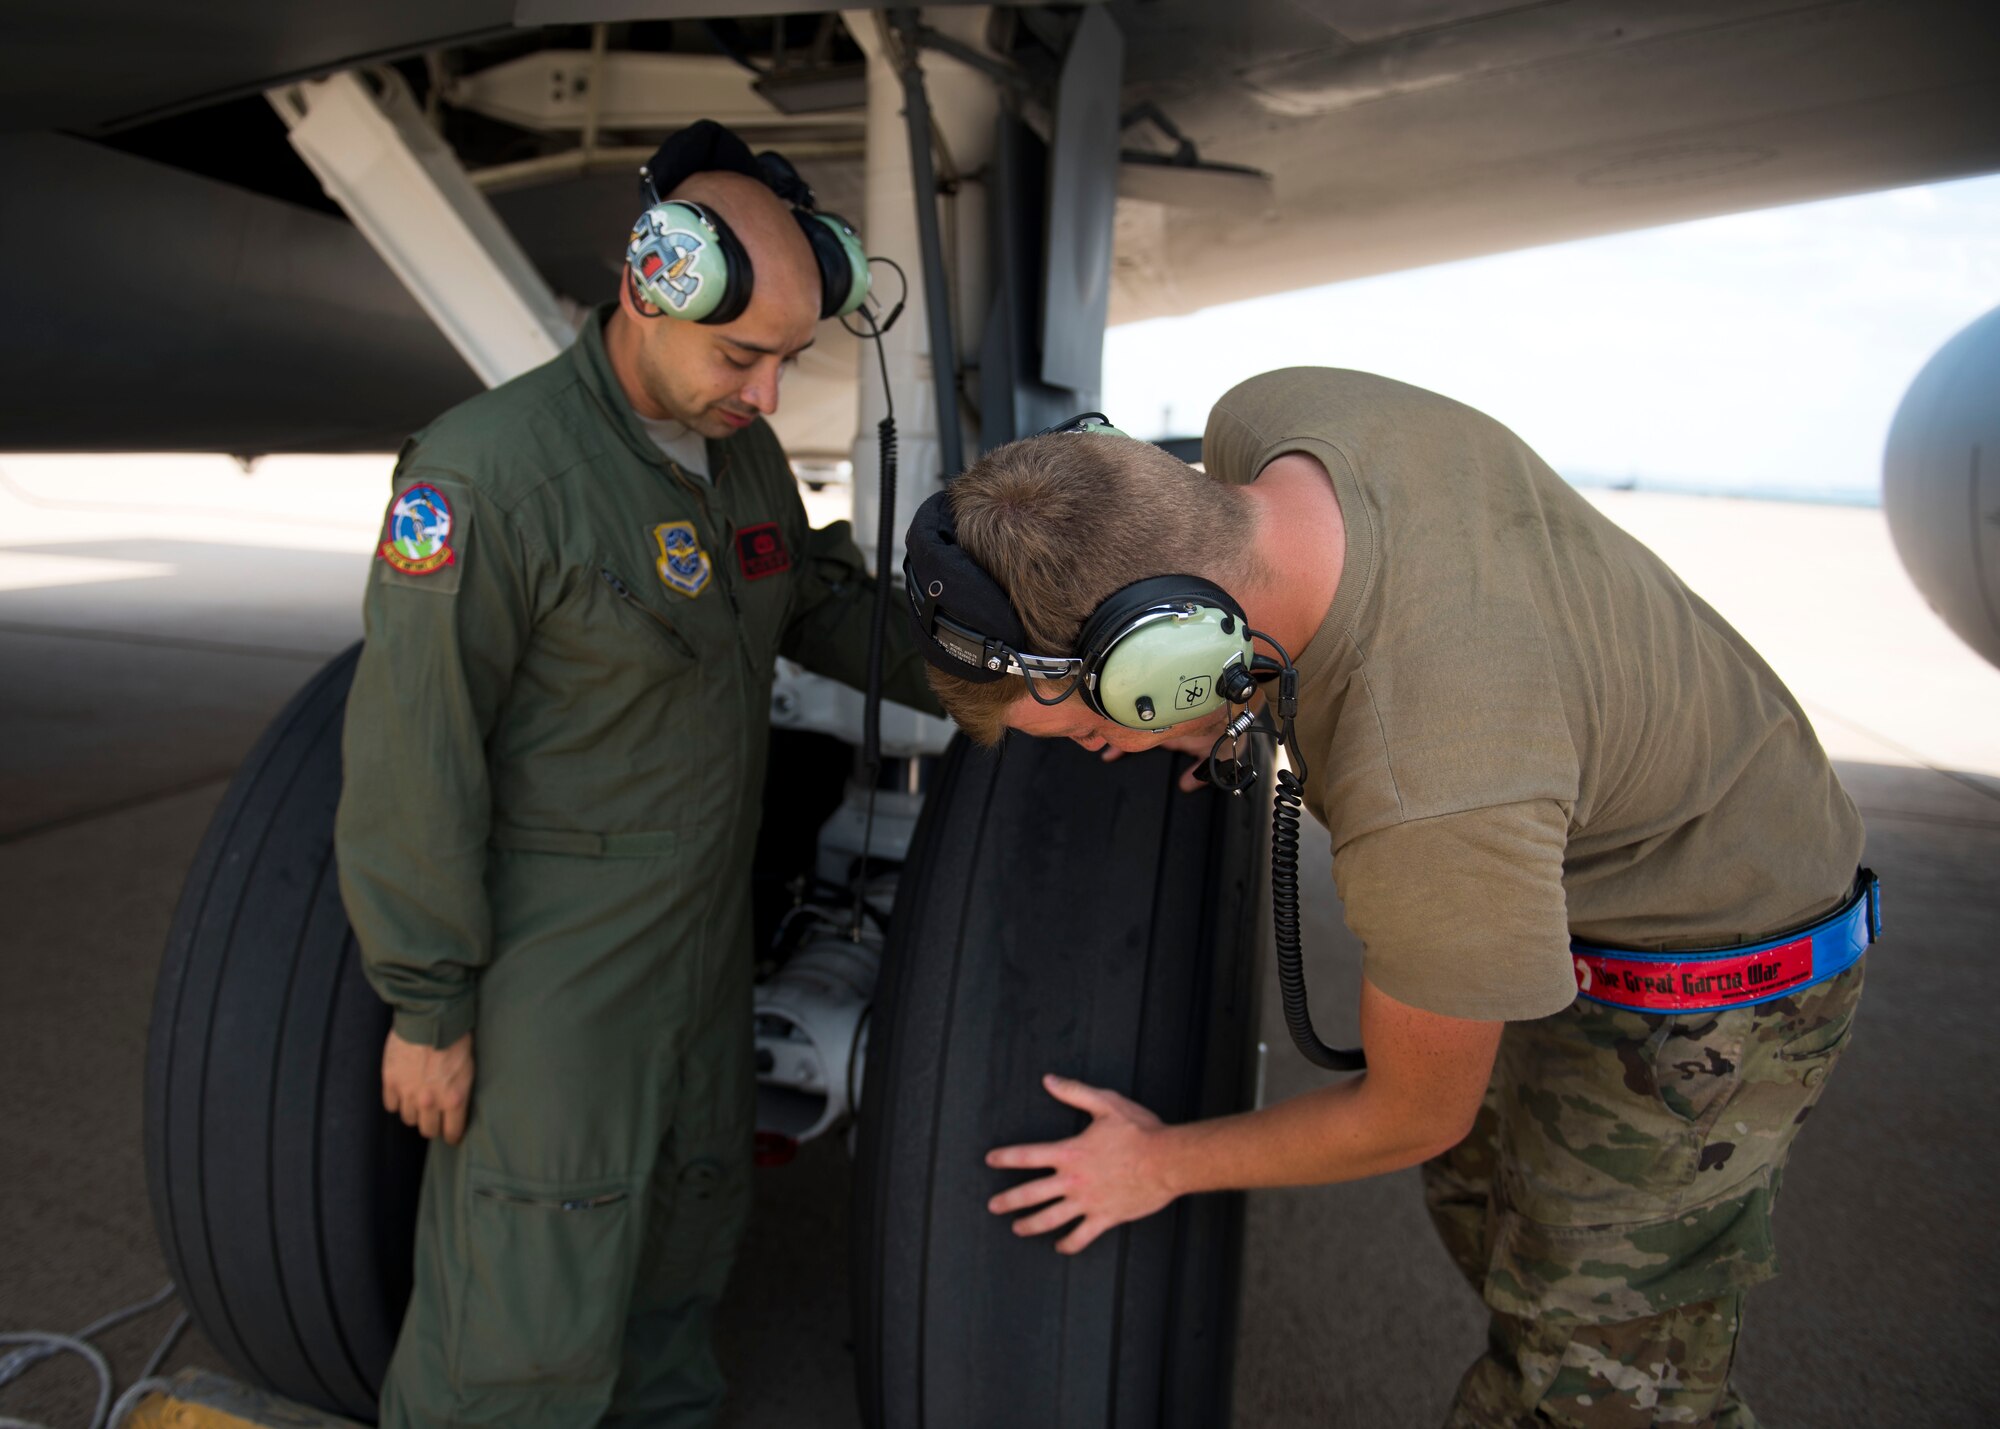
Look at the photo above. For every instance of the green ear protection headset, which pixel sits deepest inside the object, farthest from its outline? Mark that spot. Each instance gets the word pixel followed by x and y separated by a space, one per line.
pixel 684 258
pixel 1154 654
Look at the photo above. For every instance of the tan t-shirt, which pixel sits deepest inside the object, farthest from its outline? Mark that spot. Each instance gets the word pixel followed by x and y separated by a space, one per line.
pixel 1518 724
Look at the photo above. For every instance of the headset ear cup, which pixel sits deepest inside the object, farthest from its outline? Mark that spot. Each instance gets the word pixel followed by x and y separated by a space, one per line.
pixel 843 266
pixel 1094 642
pixel 1097 642
pixel 688 263
pixel 742 277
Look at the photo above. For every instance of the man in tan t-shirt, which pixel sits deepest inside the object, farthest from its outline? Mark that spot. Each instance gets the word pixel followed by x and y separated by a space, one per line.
pixel 1523 732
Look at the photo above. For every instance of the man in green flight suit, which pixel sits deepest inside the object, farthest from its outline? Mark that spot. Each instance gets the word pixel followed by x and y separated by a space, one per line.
pixel 554 750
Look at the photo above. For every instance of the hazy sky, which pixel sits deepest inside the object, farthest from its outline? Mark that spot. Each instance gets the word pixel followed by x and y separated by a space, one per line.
pixel 1759 351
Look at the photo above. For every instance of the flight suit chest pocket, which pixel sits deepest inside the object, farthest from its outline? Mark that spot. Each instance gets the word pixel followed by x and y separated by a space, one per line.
pixel 638 609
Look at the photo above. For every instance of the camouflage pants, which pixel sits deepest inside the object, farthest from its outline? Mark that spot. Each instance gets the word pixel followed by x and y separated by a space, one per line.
pixel 1613 1202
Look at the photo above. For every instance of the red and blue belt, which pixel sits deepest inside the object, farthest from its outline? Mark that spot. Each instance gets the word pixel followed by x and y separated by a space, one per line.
pixel 1713 980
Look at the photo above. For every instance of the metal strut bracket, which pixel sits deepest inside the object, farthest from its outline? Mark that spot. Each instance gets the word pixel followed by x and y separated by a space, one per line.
pixel 405 190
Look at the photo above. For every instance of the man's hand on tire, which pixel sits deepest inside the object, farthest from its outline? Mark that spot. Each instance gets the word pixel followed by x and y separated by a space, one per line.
pixel 1106 1175
pixel 429 1087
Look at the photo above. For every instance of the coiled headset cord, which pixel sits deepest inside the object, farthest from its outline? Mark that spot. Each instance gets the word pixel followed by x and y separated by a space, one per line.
pixel 1286 801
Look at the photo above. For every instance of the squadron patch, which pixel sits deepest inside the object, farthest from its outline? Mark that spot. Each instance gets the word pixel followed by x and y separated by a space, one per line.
pixel 760 551
pixel 683 564
pixel 418 539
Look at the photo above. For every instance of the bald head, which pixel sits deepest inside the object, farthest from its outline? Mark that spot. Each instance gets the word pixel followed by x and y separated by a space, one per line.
pixel 786 276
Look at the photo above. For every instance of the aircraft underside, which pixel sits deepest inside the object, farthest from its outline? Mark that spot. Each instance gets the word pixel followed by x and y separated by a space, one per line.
pixel 177 278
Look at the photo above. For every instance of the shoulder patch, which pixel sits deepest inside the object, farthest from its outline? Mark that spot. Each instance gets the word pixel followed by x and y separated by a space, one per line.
pixel 761 551
pixel 417 539
pixel 683 565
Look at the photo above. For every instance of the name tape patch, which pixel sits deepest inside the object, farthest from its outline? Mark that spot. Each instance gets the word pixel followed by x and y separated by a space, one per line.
pixel 761 551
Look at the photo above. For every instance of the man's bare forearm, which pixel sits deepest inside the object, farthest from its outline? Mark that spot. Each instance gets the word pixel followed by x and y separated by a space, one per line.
pixel 1338 1133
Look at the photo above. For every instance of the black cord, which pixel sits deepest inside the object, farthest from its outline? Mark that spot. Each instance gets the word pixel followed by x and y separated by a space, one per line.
pixel 881 330
pixel 1289 798
pixel 828 888
pixel 1035 687
pixel 878 630
pixel 1232 775
pixel 1286 801
pixel 885 541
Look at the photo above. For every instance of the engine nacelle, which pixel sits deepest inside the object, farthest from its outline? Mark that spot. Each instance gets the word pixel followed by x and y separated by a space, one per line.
pixel 1941 484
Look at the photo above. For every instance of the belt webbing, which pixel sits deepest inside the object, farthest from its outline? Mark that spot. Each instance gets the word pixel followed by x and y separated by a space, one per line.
pixel 1712 980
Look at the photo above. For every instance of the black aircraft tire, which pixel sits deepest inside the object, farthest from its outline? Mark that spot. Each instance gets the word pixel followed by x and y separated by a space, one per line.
pixel 283 1195
pixel 1058 914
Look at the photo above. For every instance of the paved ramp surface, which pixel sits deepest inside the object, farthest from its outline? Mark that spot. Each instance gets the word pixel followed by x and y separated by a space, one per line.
pixel 154 614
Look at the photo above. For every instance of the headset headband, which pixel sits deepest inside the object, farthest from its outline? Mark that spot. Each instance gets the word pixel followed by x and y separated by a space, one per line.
pixel 981 636
pixel 982 639
pixel 703 147
pixel 1088 424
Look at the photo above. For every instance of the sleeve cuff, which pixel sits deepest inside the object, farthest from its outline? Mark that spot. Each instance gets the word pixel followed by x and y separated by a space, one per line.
pixel 439 1026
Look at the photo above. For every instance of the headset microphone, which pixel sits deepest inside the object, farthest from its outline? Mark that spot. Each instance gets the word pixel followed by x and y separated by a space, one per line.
pixel 1157 653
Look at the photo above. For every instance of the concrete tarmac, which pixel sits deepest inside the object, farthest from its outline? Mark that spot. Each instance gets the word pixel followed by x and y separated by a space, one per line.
pixel 154 614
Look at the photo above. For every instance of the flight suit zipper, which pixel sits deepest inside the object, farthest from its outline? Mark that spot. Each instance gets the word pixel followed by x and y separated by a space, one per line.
pixel 728 533
pixel 750 675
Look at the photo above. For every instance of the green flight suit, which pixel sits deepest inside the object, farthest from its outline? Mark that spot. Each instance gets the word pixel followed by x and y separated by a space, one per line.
pixel 555 751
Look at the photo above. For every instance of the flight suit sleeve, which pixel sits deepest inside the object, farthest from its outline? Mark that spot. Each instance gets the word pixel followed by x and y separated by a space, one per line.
pixel 447 614
pixel 833 610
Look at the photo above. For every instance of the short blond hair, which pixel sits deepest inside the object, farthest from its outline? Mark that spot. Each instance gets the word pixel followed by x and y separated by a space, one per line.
pixel 1063 521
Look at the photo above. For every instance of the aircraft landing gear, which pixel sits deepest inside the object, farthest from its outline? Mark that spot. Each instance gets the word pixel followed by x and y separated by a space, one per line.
pixel 1057 913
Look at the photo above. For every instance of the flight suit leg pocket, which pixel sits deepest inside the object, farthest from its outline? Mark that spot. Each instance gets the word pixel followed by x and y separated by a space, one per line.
pixel 547 1275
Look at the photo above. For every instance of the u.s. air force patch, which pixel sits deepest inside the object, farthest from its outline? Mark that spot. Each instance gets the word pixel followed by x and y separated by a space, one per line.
pixel 683 564
pixel 418 539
